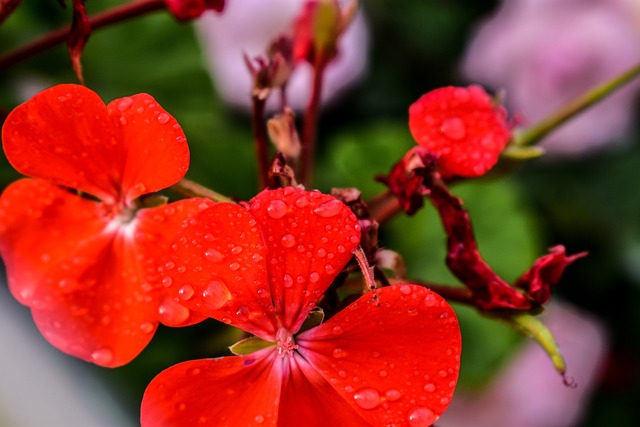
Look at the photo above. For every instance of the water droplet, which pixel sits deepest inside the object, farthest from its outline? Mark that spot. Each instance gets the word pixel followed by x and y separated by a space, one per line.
pixel 163 118
pixel 236 250
pixel 329 268
pixel 453 128
pixel 167 281
pixel 213 255
pixel 367 398
pixel 185 292
pixel 442 373
pixel 329 209
pixel 405 289
pixel 242 314
pixel 322 252
pixel 288 240
pixel 288 281
pixel 421 417
pixel 169 265
pixel 215 295
pixel 341 249
pixel 392 395
pixel 430 300
pixel 102 357
pixel 146 327
pixel 277 209
pixel 302 201
pixel 444 401
pixel 430 387
pixel 337 330
pixel 383 373
pixel 123 120
pixel 314 277
pixel 259 419
pixel 124 104
pixel 172 313
pixel 234 266
pixel 339 353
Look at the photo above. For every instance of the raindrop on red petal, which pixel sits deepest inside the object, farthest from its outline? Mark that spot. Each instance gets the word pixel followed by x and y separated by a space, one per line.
pixel 329 209
pixel 367 398
pixel 421 417
pixel 277 209
pixel 216 295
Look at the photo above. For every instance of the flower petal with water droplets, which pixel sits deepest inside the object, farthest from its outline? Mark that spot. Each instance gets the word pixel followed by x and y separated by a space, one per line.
pixel 393 352
pixel 225 392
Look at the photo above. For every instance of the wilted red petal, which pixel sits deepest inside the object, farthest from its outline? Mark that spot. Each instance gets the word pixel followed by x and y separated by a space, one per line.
pixel 157 154
pixel 90 280
pixel 310 237
pixel 393 355
pixel 462 127
pixel 225 392
pixel 67 135
pixel 545 273
pixel 217 267
pixel 307 396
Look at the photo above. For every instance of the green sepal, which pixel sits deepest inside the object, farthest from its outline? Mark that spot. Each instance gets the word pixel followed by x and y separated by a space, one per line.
pixel 315 317
pixel 521 152
pixel 250 345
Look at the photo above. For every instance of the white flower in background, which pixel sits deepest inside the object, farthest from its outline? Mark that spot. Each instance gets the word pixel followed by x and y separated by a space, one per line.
pixel 249 26
pixel 546 52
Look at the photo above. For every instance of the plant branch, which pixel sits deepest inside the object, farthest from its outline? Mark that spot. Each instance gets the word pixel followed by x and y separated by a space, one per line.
pixel 189 188
pixel 307 156
pixel 260 141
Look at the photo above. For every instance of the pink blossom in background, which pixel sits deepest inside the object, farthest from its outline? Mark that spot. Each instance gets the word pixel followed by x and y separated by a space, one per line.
pixel 248 26
pixel 546 52
pixel 529 392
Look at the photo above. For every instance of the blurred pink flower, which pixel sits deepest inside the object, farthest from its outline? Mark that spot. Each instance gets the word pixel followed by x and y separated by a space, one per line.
pixel 249 26
pixel 529 392
pixel 546 52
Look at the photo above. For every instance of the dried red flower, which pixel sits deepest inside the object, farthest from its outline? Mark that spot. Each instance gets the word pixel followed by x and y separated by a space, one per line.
pixel 186 10
pixel 87 268
pixel 391 357
pixel 462 127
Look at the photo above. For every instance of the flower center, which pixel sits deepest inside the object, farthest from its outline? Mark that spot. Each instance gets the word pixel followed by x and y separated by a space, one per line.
pixel 286 344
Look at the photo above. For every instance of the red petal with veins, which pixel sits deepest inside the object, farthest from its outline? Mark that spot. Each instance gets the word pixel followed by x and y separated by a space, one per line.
pixel 89 279
pixel 217 267
pixel 225 392
pixel 307 396
pixel 310 237
pixel 393 355
pixel 68 136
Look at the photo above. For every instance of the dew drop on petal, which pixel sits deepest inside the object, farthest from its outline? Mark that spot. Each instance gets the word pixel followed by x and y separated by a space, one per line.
pixel 430 387
pixel 302 201
pixel 242 314
pixel 339 353
pixel 163 118
pixel 215 295
pixel 146 327
pixel 234 266
pixel 392 395
pixel 185 292
pixel 167 281
pixel 236 250
pixel 213 255
pixel 430 300
pixel 367 398
pixel 259 419
pixel 329 209
pixel 124 104
pixel 405 289
pixel 288 281
pixel 337 330
pixel 453 128
pixel 421 417
pixel 288 240
pixel 172 313
pixel 277 209
pixel 314 277
pixel 102 357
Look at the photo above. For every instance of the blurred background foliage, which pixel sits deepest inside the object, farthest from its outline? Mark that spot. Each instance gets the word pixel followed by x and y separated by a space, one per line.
pixel 590 203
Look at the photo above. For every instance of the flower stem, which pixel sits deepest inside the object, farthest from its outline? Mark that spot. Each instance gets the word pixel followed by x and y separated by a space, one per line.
pixel 367 270
pixel 310 124
pixel 111 16
pixel 260 140
pixel 189 188
pixel 383 207
pixel 534 134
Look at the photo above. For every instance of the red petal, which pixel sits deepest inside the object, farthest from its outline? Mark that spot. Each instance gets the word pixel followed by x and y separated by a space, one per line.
pixel 85 276
pixel 217 267
pixel 157 154
pixel 393 355
pixel 225 392
pixel 462 127
pixel 308 399
pixel 310 237
pixel 66 135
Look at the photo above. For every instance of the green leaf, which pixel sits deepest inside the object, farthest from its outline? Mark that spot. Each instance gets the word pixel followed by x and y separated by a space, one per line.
pixel 250 345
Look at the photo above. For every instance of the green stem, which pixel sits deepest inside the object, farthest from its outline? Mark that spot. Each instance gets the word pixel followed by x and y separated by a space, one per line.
pixel 189 188
pixel 539 131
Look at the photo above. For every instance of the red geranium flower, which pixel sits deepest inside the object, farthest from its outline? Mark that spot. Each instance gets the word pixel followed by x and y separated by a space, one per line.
pixel 462 127
pixel 390 358
pixel 87 268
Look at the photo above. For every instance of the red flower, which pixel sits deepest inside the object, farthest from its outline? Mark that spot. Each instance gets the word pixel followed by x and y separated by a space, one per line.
pixel 390 358
pixel 462 127
pixel 86 267
pixel 185 10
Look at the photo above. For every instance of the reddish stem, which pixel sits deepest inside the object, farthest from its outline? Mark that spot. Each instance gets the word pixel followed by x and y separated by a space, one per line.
pixel 307 155
pixel 260 139
pixel 111 16
pixel 383 207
